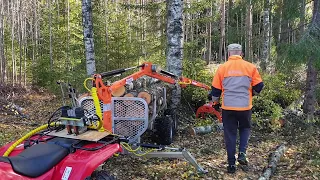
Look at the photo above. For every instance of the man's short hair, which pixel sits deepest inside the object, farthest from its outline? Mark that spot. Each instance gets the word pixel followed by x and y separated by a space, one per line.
pixel 234 47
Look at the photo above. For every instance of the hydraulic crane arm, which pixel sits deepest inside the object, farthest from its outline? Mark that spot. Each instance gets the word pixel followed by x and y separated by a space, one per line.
pixel 146 69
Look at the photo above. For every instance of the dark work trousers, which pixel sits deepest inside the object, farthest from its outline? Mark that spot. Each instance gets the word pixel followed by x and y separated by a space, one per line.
pixel 232 121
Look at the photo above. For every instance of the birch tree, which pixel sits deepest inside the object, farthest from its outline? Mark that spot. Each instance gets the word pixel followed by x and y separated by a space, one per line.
pixel 248 48
pixel 175 44
pixel 88 36
pixel 12 42
pixel 50 31
pixel 2 57
pixel 222 47
pixel 266 32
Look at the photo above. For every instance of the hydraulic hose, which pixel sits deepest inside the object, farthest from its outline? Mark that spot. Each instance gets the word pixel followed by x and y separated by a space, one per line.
pixel 97 107
pixel 14 145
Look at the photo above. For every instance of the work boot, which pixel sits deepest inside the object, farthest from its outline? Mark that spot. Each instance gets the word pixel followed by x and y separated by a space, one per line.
pixel 231 169
pixel 242 159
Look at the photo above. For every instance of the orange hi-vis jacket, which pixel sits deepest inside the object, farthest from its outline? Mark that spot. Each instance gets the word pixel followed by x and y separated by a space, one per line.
pixel 235 78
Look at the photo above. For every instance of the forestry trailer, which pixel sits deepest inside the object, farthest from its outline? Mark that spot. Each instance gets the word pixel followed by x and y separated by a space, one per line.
pixel 108 120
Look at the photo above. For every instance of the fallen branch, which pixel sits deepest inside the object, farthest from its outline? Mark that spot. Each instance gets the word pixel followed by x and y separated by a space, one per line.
pixel 273 161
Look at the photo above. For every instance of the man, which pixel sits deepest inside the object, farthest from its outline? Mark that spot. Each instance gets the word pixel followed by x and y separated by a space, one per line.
pixel 236 81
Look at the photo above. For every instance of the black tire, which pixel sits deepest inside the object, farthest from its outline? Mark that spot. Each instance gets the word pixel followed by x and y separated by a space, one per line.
pixel 174 117
pixel 101 175
pixel 164 130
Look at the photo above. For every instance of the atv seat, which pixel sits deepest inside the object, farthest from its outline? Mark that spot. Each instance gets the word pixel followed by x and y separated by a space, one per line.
pixel 36 160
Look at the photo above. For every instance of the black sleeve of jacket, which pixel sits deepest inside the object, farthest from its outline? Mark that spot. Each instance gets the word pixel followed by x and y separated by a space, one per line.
pixel 214 92
pixel 257 88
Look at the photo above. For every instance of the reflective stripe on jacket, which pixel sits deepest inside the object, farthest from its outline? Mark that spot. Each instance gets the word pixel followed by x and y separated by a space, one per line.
pixel 235 78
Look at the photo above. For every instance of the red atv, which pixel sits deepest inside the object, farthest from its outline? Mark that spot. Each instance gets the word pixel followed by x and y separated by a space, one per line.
pixel 78 139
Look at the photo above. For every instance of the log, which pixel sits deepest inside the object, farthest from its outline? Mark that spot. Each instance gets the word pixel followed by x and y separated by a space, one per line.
pixel 200 130
pixel 146 96
pixel 119 92
pixel 274 158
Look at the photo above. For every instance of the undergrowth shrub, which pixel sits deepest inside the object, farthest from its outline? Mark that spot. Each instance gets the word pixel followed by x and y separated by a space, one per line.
pixel 278 94
pixel 280 91
pixel 196 70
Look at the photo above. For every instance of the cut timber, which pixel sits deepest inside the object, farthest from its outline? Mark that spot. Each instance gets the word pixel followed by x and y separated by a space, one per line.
pixel 146 96
pixel 201 130
pixel 273 161
pixel 119 92
pixel 130 94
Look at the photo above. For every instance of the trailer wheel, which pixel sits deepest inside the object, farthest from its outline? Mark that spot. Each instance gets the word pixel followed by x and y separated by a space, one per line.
pixel 101 175
pixel 174 117
pixel 164 130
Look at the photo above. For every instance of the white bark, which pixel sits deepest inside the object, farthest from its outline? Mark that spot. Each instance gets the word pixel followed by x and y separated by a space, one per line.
pixel 12 42
pixel 106 32
pixel 249 31
pixel 266 30
pixel 175 44
pixel 88 36
pixel 175 37
pixel 2 42
pixel 25 49
pixel 272 165
pixel 68 64
pixel 50 32
pixel 20 42
pixel 222 47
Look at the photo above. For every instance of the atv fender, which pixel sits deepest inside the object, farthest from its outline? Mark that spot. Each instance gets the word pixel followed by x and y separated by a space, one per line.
pixel 75 166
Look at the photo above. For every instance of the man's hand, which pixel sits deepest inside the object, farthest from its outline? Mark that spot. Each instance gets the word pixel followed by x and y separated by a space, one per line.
pixel 217 106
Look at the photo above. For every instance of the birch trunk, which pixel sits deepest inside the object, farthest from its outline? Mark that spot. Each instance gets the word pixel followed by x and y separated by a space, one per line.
pixel 266 33
pixel 210 38
pixel 248 52
pixel 20 43
pixel 273 162
pixel 222 47
pixel 50 32
pixel 25 49
pixel 35 32
pixel 12 43
pixel 175 44
pixel 68 63
pixel 106 33
pixel 88 36
pixel 2 60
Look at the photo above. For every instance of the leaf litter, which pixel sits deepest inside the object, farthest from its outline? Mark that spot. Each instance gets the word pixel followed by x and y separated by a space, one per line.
pixel 301 161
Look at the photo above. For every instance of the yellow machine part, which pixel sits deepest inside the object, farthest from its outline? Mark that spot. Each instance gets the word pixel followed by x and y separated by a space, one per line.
pixel 98 109
pixel 14 145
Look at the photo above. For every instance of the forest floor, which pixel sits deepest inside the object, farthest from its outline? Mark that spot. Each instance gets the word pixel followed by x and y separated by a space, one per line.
pixel 301 160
